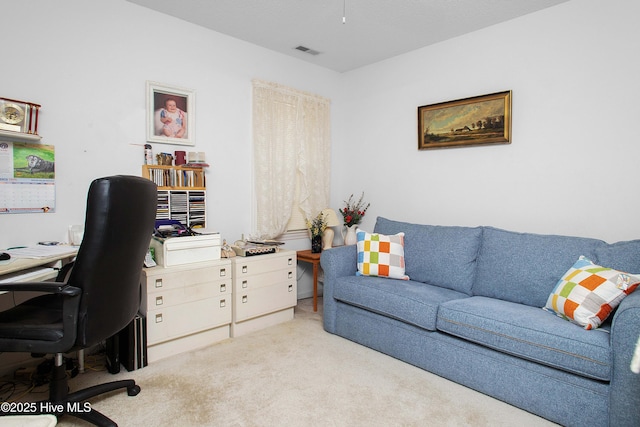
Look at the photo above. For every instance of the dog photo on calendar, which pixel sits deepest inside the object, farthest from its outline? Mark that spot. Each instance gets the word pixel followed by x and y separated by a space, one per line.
pixel 33 161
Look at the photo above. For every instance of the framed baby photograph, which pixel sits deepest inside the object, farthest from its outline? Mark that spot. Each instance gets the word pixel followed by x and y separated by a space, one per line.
pixel 170 114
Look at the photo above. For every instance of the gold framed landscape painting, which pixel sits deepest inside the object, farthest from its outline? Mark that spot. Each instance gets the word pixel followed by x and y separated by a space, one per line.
pixel 478 120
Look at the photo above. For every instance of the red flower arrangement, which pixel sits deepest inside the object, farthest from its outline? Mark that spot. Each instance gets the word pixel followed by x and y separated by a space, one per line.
pixel 353 213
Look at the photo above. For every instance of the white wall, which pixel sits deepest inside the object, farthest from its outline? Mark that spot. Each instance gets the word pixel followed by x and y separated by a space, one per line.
pixel 569 170
pixel 571 166
pixel 86 63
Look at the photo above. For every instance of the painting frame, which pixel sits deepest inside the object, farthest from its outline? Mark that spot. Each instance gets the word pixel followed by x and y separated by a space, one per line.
pixel 170 114
pixel 478 120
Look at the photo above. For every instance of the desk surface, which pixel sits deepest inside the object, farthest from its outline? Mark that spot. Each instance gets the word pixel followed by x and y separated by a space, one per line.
pixel 19 264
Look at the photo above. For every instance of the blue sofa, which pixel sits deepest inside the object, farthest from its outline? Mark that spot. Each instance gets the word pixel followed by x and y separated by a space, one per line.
pixel 471 312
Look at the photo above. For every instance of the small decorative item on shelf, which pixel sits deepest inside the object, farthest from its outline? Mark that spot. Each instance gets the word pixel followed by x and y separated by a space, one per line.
pixel 148 154
pixel 197 159
pixel 316 228
pixel 165 159
pixel 352 214
pixel 180 158
pixel 18 120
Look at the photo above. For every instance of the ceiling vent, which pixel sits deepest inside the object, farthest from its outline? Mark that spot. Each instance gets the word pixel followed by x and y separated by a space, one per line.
pixel 307 50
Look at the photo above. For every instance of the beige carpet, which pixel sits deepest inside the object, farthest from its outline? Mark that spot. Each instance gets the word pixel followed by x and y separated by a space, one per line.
pixel 295 374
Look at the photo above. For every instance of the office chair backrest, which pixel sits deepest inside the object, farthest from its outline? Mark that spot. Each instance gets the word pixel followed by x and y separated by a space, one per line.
pixel 119 223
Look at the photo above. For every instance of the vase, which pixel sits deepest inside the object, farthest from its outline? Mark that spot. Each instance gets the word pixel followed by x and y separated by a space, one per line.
pixel 350 236
pixel 316 244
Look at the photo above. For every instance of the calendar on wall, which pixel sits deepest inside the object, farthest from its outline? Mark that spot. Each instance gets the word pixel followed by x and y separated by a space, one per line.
pixel 27 177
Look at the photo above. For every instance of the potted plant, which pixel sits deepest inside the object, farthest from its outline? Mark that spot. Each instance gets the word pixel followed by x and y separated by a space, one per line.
pixel 352 214
pixel 316 229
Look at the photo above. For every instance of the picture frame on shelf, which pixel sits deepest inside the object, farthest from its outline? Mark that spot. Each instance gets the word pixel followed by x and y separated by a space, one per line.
pixel 479 120
pixel 170 114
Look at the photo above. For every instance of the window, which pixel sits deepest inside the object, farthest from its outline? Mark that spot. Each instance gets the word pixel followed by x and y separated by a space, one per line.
pixel 292 156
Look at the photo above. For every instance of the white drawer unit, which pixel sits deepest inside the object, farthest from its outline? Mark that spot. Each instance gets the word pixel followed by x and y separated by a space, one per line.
pixel 187 306
pixel 264 291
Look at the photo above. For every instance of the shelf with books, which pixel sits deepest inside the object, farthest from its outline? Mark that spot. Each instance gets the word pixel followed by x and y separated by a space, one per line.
pixel 175 177
pixel 181 193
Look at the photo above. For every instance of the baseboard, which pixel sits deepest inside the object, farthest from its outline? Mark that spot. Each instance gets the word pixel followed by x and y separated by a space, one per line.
pixel 261 322
pixel 187 343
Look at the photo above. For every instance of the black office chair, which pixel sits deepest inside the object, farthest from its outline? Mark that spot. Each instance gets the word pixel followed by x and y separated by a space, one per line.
pixel 100 296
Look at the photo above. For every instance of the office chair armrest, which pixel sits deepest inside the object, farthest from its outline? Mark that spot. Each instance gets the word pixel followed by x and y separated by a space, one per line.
pixel 48 287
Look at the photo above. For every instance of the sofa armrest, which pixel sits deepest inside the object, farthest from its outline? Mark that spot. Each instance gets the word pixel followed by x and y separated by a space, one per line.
pixel 336 262
pixel 339 261
pixel 624 403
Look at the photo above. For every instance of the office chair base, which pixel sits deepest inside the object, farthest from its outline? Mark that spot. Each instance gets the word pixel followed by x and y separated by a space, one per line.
pixel 77 407
pixel 64 403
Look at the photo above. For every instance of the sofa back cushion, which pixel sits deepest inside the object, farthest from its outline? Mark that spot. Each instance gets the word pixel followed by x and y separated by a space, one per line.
pixel 623 256
pixel 443 256
pixel 525 267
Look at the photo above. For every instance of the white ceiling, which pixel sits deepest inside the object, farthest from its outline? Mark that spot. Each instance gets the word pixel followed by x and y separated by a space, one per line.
pixel 374 30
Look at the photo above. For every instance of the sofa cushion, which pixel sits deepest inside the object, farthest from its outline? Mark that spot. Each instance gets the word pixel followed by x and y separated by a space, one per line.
pixel 529 333
pixel 380 255
pixel 621 256
pixel 412 302
pixel 525 267
pixel 438 255
pixel 588 293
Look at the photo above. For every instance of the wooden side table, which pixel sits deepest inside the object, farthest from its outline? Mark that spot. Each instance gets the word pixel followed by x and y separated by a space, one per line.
pixel 313 259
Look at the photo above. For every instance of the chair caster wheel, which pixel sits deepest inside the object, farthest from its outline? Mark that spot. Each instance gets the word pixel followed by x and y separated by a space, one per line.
pixel 133 391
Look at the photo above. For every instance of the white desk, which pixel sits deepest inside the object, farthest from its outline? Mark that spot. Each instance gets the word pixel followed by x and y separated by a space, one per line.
pixel 18 266
pixel 19 270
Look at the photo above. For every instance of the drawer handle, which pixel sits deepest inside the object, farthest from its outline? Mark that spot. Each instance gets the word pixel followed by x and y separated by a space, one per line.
pixel 223 288
pixel 290 275
pixel 290 288
pixel 245 269
pixel 223 272
pixel 290 261
pixel 158 283
pixel 159 301
pixel 223 303
pixel 159 318
pixel 245 284
pixel 245 299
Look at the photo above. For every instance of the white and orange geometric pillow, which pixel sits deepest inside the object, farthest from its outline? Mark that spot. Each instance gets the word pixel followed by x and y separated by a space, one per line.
pixel 381 255
pixel 588 293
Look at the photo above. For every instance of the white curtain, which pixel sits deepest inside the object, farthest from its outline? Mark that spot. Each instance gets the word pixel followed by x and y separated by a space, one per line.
pixel 292 142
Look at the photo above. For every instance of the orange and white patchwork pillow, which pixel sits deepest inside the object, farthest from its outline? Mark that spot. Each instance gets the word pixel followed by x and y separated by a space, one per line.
pixel 588 293
pixel 381 255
